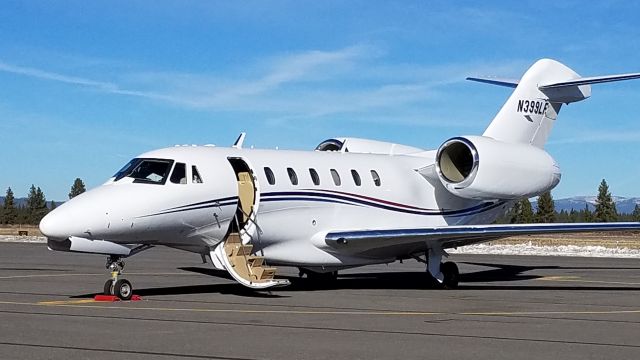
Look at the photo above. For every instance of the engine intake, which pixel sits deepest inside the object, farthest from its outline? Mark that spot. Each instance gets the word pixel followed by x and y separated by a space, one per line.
pixel 482 168
pixel 457 160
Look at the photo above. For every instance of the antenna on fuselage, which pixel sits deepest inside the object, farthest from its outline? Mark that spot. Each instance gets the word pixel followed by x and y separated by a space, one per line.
pixel 239 141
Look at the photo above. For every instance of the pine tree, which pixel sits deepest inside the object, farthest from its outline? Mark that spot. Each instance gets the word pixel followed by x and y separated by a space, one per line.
pixel 636 213
pixel 511 216
pixel 573 216
pixel 77 188
pixel 36 205
pixel 42 208
pixel 9 212
pixel 23 215
pixel 586 215
pixel 605 207
pixel 32 204
pixel 562 216
pixel 525 213
pixel 53 205
pixel 546 209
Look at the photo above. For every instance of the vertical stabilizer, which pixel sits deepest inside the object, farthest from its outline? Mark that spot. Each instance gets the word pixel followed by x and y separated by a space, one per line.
pixel 529 113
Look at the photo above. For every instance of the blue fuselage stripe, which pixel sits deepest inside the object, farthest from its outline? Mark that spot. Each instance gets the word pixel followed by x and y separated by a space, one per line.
pixel 343 199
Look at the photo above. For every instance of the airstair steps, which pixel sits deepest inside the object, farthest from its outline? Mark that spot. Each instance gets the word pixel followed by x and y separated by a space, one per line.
pixel 247 269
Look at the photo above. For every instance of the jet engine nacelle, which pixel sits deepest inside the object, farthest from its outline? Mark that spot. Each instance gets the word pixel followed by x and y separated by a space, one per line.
pixel 482 168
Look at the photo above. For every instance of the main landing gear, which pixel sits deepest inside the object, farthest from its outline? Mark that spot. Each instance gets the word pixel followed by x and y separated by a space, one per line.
pixel 328 277
pixel 119 287
pixel 444 275
pixel 450 275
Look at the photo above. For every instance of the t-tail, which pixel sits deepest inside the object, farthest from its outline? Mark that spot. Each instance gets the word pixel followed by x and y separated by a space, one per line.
pixel 530 112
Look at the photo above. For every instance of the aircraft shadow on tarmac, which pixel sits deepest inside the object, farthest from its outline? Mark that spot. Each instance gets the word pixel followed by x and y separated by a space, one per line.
pixel 31 269
pixel 477 280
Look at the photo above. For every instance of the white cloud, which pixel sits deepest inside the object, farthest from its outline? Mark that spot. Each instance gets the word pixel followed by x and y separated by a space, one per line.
pixel 46 75
pixel 103 86
pixel 353 80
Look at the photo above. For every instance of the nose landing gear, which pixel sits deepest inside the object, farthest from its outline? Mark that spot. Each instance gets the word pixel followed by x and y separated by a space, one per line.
pixel 119 287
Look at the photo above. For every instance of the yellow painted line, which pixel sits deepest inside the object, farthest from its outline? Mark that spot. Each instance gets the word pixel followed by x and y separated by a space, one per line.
pixel 578 279
pixel 557 278
pixel 81 304
pixel 64 302
pixel 515 313
pixel 96 274
pixel 240 311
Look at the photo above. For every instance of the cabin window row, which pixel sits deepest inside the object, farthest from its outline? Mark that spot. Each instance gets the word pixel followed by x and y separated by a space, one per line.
pixel 315 177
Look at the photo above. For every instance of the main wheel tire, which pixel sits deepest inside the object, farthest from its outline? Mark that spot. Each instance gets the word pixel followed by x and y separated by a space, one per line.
pixel 108 287
pixel 451 275
pixel 123 289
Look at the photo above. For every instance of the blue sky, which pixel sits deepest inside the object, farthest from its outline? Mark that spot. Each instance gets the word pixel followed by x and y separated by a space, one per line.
pixel 87 85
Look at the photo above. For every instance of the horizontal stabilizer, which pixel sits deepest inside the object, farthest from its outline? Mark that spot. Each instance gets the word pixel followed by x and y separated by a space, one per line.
pixel 589 80
pixel 511 83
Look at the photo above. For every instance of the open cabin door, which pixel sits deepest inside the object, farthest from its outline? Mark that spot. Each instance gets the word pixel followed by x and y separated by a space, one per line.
pixel 235 253
pixel 248 201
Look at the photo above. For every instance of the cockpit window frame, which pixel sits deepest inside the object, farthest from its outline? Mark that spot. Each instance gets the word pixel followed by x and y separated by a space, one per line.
pixel 126 169
pixel 133 165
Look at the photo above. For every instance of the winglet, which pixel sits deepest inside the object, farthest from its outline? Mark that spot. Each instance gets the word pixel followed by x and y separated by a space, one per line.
pixel 239 140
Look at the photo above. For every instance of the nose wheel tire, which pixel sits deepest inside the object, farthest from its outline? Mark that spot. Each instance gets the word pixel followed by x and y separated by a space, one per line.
pixel 108 287
pixel 123 289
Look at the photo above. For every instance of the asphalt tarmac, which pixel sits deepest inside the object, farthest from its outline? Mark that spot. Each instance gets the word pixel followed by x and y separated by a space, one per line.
pixel 507 307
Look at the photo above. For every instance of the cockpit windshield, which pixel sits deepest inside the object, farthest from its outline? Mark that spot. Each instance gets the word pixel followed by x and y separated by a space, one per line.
pixel 151 171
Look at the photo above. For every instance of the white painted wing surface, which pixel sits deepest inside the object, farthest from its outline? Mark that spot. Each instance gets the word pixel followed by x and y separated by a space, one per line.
pixel 455 236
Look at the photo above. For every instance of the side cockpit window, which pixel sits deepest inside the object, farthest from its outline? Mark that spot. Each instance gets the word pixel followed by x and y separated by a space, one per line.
pixel 150 171
pixel 179 174
pixel 195 175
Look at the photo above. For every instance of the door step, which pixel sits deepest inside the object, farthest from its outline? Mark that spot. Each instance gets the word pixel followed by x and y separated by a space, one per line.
pixel 247 269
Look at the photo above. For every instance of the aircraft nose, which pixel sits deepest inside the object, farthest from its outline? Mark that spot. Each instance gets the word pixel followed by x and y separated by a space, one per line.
pixel 53 226
pixel 83 216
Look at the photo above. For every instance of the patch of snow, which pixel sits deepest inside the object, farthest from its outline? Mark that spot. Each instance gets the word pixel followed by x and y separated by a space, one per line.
pixel 547 250
pixel 23 239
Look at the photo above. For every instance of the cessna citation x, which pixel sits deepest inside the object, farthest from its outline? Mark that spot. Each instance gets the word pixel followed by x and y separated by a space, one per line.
pixel 349 203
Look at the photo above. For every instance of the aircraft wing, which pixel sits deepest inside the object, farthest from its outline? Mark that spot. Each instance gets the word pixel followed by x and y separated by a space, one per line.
pixel 453 236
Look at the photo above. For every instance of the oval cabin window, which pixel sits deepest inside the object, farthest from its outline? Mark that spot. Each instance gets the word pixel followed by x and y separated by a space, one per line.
pixel 271 179
pixel 356 177
pixel 336 177
pixel 314 177
pixel 292 176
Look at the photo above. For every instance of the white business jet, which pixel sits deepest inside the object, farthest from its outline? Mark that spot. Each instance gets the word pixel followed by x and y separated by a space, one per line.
pixel 349 203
